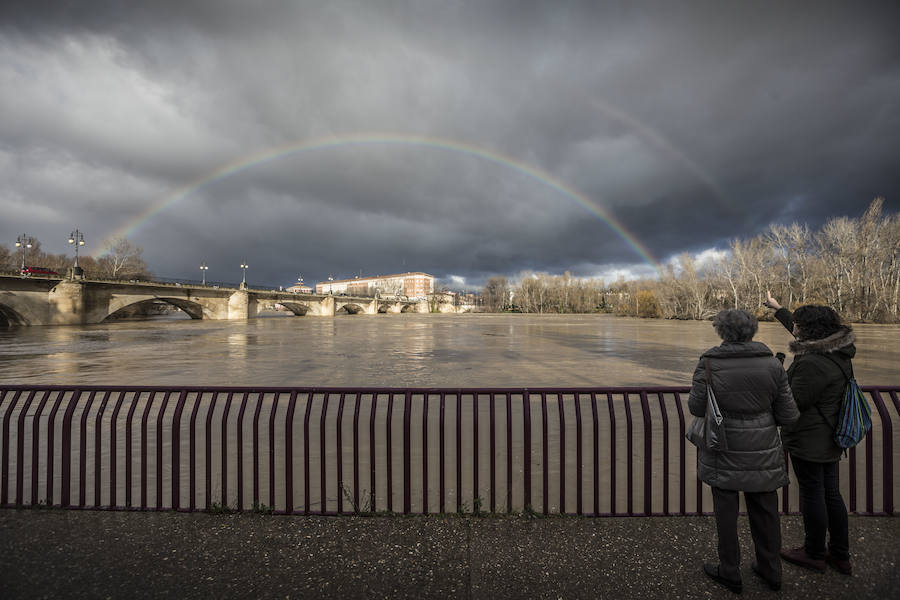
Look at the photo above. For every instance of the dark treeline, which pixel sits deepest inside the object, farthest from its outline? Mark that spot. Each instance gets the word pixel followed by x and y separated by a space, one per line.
pixel 850 264
pixel 122 260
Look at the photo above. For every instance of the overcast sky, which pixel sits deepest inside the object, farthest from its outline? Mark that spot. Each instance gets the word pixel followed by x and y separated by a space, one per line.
pixel 461 138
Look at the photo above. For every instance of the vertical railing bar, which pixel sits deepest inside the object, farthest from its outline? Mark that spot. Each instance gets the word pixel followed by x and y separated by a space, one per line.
pixel 356 406
pixel 852 467
pixel 340 454
pixel 665 452
pixel 425 453
pixel 612 453
pixel 390 460
pixel 562 454
pixel 372 452
pixel 407 449
pixel 82 451
pixel 629 452
pixel 306 459
pixel 192 466
pixel 579 471
pixel 98 467
pixel 526 447
pixel 509 452
pixel 323 496
pixel 66 491
pixel 224 444
pixel 113 420
pixel 476 496
pixel 7 419
pixel 35 447
pixel 648 454
pixel 51 432
pixel 20 449
pixel 289 454
pixel 144 417
pixel 682 463
pixel 493 461
pixel 159 450
pixel 441 455
pixel 239 459
pixel 176 451
pixel 870 474
pixel 596 425
pixel 545 475
pixel 887 459
pixel 132 407
pixel 459 450
pixel 256 468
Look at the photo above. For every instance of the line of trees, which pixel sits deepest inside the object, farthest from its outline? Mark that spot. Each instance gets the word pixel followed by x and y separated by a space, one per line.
pixel 850 264
pixel 122 260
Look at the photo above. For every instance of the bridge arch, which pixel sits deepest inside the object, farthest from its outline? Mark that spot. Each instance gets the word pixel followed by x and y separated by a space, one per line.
pixel 9 317
pixel 297 308
pixel 192 309
pixel 350 309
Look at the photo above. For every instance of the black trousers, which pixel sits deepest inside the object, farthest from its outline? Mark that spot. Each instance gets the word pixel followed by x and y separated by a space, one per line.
pixel 823 508
pixel 765 528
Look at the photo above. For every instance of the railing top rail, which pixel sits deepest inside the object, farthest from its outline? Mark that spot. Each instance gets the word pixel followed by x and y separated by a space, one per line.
pixel 379 390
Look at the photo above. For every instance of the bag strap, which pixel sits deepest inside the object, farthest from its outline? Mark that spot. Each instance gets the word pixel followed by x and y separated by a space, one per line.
pixel 708 374
pixel 847 377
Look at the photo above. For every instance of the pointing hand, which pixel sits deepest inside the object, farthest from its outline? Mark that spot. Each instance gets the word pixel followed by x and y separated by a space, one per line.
pixel 770 301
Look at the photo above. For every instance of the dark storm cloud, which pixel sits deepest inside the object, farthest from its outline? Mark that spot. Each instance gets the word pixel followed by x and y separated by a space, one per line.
pixel 689 123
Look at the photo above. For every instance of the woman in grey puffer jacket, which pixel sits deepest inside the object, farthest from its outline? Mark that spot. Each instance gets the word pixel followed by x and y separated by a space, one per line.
pixel 752 390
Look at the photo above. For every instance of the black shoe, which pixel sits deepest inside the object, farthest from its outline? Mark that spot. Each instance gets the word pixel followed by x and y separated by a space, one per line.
pixel 773 585
pixel 712 571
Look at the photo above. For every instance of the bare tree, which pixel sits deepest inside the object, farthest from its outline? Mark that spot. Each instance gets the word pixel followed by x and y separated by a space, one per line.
pixel 122 259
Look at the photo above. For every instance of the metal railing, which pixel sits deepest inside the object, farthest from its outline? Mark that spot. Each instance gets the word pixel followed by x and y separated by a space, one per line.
pixel 586 451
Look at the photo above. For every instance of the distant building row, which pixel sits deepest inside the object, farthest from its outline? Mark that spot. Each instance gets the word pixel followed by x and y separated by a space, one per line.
pixel 411 285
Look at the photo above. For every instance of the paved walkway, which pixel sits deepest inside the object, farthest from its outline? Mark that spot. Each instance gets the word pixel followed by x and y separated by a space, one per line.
pixel 82 554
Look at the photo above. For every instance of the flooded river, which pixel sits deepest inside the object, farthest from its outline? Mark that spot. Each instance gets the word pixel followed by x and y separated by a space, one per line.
pixel 404 350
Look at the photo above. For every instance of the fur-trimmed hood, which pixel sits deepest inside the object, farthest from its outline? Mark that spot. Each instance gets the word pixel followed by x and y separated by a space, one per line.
pixel 842 339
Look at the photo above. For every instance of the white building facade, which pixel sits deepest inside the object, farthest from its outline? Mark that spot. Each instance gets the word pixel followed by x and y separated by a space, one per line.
pixel 411 285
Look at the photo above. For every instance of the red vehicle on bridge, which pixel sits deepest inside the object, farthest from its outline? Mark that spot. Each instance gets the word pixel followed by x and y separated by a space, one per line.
pixel 29 271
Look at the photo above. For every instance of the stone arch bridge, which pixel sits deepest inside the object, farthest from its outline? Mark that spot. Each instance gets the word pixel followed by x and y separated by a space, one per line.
pixel 46 301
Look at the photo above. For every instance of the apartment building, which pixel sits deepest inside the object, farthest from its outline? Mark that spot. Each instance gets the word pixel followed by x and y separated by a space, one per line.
pixel 411 285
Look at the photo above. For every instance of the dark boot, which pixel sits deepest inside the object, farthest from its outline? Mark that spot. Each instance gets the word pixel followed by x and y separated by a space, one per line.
pixel 773 585
pixel 799 557
pixel 841 566
pixel 712 571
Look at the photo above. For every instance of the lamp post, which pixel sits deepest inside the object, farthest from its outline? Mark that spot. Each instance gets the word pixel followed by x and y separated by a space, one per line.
pixel 244 267
pixel 76 238
pixel 24 242
pixel 203 270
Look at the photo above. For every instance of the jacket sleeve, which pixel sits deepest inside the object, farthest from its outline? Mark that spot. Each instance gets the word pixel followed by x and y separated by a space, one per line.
pixel 786 318
pixel 697 399
pixel 785 408
pixel 808 381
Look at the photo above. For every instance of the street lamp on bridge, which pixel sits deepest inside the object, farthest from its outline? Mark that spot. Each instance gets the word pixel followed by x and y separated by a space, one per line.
pixel 244 267
pixel 203 270
pixel 24 242
pixel 76 238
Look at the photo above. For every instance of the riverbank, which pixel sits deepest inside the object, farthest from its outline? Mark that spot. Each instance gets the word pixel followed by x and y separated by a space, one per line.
pixel 88 554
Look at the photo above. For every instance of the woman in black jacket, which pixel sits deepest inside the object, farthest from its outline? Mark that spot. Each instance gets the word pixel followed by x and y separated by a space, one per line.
pixel 753 394
pixel 822 351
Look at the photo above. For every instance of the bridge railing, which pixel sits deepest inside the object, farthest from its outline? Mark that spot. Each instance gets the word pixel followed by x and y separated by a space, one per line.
pixel 585 451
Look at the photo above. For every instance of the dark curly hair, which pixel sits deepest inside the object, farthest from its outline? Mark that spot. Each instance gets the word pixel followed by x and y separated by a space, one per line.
pixel 815 322
pixel 735 325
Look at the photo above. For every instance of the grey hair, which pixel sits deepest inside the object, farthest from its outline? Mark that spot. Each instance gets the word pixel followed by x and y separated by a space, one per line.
pixel 735 325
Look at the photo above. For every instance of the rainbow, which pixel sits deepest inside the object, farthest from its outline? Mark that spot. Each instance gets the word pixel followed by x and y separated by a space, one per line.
pixel 375 139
